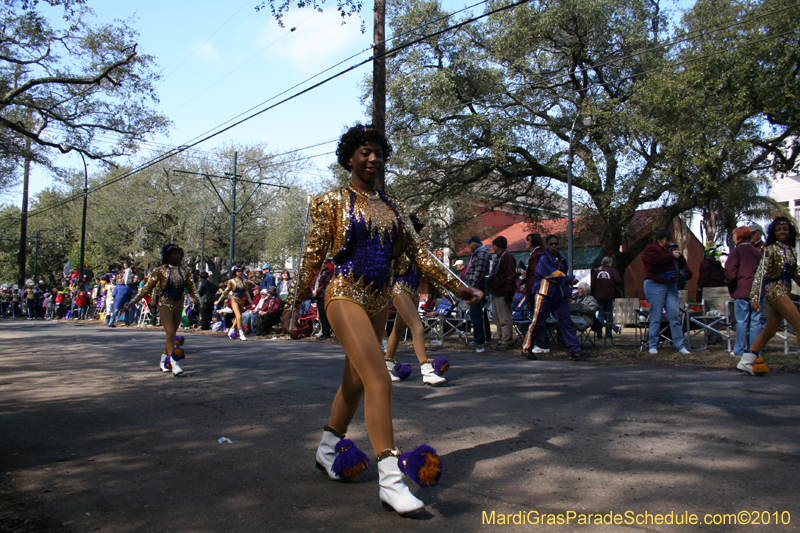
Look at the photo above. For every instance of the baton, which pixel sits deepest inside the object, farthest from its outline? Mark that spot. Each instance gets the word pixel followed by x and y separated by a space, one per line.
pixel 299 261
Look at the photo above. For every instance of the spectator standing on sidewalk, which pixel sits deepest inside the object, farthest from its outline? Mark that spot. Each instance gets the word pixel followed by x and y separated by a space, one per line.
pixel 662 272
pixel 740 271
pixel 268 280
pixel 502 289
pixel 606 283
pixel 535 245
pixel 207 292
pixel 475 275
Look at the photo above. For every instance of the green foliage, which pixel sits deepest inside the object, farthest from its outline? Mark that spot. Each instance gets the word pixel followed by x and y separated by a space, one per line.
pixel 486 115
pixel 346 8
pixel 134 218
pixel 61 88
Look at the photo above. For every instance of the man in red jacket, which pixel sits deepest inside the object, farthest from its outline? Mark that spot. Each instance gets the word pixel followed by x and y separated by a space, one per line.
pixel 502 289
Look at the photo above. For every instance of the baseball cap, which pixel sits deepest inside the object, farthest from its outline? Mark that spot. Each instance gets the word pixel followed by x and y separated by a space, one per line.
pixel 474 239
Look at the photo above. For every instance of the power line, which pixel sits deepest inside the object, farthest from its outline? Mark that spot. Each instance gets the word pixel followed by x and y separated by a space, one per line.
pixel 204 42
pixel 193 143
pixel 270 45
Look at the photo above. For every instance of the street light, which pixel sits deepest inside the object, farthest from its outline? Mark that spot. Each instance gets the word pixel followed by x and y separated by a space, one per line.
pixel 203 242
pixel 587 121
pixel 83 224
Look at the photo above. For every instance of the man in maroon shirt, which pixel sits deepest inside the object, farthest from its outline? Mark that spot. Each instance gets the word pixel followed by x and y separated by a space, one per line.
pixel 606 282
pixel 740 270
pixel 502 289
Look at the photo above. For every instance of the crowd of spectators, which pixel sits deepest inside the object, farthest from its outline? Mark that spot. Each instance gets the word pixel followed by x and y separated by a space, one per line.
pixel 541 286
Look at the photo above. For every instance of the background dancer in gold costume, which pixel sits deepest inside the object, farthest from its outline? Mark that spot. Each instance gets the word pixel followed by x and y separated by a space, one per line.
pixel 238 288
pixel 173 279
pixel 405 298
pixel 773 282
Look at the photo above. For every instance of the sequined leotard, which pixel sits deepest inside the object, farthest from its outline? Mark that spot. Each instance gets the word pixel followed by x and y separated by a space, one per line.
pixel 173 282
pixel 775 272
pixel 237 288
pixel 406 279
pixel 367 233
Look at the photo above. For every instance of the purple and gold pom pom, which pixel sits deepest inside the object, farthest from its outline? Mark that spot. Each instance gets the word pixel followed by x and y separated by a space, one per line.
pixel 403 371
pixel 440 366
pixel 178 353
pixel 351 462
pixel 168 363
pixel 422 465
pixel 179 340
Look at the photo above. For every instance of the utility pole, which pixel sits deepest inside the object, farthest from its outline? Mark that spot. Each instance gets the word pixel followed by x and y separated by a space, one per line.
pixel 233 214
pixel 36 259
pixel 232 210
pixel 83 224
pixel 379 77
pixel 23 232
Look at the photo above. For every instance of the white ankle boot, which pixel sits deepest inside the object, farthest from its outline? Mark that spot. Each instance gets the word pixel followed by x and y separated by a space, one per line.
pixel 429 377
pixel 232 333
pixel 752 364
pixel 241 335
pixel 176 368
pixel 326 453
pixel 163 365
pixel 390 366
pixel 394 492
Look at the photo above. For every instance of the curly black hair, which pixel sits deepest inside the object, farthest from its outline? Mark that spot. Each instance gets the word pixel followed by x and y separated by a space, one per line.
pixel 359 135
pixel 166 251
pixel 792 232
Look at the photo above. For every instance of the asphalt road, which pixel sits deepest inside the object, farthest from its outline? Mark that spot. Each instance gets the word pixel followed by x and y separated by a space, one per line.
pixel 93 437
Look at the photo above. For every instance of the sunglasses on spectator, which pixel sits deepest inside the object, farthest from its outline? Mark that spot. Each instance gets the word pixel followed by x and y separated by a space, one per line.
pixel 552 244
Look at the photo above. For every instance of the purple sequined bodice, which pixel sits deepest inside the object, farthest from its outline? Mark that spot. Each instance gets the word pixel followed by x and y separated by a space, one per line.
pixel 410 277
pixel 370 254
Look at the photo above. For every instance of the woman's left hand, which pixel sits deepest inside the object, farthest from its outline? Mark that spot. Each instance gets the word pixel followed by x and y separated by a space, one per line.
pixel 471 294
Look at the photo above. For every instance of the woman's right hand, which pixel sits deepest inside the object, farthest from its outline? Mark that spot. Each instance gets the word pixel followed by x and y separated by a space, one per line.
pixel 755 306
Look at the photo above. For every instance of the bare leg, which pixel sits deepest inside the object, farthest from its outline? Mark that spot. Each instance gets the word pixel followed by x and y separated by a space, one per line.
pixel 782 308
pixel 237 315
pixel 394 338
pixel 364 371
pixel 171 321
pixel 407 315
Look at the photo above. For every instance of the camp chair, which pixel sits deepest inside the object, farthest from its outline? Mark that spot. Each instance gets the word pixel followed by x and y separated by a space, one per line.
pixel 713 316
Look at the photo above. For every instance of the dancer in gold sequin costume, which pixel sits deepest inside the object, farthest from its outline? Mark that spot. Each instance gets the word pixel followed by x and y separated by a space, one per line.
pixel 405 298
pixel 366 231
pixel 238 288
pixel 173 280
pixel 773 282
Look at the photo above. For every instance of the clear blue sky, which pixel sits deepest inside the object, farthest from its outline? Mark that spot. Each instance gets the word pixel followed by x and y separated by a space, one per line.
pixel 222 58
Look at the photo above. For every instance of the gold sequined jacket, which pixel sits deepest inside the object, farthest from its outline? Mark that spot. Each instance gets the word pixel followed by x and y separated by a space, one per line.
pixel 173 281
pixel 366 234
pixel 775 272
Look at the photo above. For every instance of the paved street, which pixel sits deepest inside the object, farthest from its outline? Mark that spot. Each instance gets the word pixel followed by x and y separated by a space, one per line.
pixel 95 438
